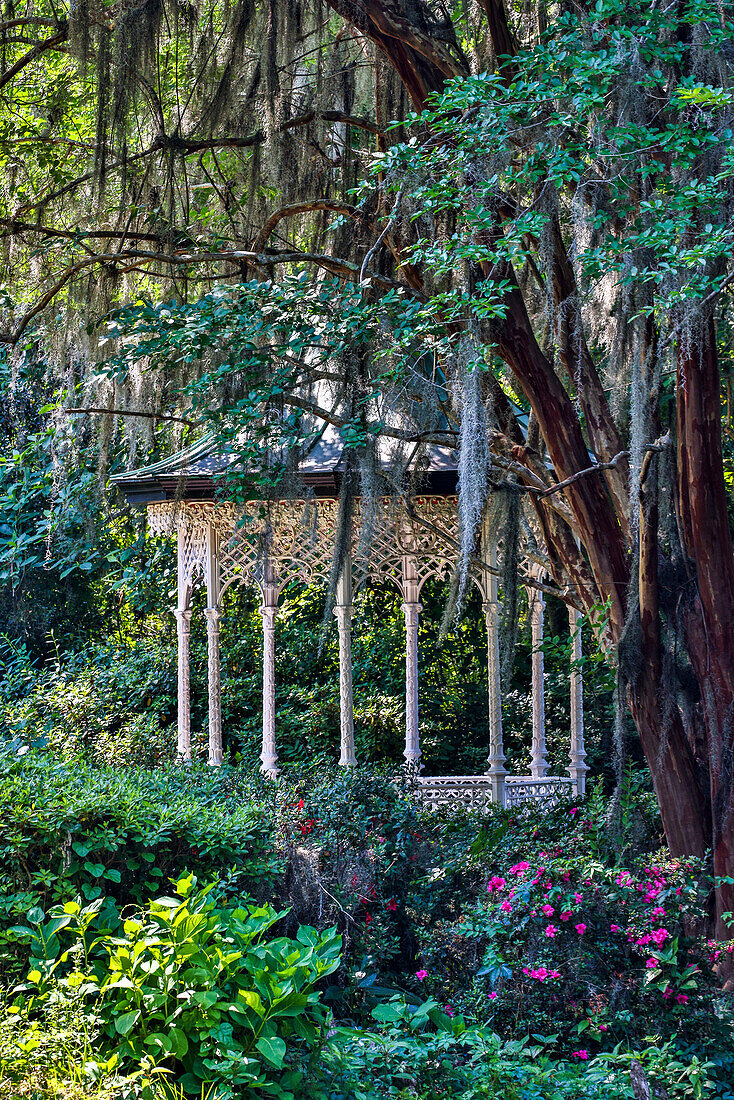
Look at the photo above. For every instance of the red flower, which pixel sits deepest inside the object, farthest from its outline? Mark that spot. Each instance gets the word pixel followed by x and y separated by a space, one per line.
pixel 367 919
pixel 301 804
pixel 392 905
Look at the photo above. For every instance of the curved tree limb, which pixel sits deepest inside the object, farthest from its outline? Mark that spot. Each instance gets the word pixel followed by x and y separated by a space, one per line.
pixel 38 50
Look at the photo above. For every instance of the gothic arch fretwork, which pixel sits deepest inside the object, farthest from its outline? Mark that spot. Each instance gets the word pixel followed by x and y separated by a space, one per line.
pixel 296 539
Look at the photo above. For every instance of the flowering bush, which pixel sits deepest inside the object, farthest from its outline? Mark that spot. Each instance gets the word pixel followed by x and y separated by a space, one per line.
pixel 573 944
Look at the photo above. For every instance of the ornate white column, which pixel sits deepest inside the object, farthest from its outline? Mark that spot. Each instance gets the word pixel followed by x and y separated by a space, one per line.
pixel 538 758
pixel 343 613
pixel 213 616
pixel 269 611
pixel 577 762
pixel 496 760
pixel 183 630
pixel 411 610
pixel 216 754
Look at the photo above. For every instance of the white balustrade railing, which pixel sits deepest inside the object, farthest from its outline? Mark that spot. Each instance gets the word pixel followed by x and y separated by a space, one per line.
pixel 549 791
pixel 474 792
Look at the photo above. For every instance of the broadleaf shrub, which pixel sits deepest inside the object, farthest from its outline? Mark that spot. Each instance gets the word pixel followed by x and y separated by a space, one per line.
pixel 74 829
pixel 192 984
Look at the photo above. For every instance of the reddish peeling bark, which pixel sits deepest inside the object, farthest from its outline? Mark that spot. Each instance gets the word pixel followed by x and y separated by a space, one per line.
pixel 559 425
pixel 572 346
pixel 681 795
pixel 584 377
pixel 707 542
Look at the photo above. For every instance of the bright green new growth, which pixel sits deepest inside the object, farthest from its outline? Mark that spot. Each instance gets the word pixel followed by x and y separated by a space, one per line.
pixel 190 986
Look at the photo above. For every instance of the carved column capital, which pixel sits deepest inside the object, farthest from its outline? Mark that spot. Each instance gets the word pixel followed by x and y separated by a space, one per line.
pixel 412 612
pixel 213 618
pixel 490 610
pixel 269 615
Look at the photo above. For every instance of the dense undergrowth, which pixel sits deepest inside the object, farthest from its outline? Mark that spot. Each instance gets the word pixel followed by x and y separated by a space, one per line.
pixel 173 929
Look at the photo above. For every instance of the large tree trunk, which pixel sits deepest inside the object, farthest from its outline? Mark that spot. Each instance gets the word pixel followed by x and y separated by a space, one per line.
pixel 692 768
pixel 706 538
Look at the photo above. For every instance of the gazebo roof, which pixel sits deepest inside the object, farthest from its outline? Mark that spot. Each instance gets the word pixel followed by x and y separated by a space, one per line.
pixel 195 473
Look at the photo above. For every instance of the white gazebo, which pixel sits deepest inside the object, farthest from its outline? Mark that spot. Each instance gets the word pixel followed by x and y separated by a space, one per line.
pixel 268 544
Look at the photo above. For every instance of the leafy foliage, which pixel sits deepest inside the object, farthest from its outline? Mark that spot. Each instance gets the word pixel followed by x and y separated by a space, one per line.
pixel 190 984
pixel 69 829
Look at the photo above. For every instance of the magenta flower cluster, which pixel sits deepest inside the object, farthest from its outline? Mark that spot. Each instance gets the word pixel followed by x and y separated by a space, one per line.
pixel 563 902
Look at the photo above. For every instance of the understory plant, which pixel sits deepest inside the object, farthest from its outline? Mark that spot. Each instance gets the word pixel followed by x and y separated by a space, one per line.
pixel 426 1051
pixel 69 829
pixel 565 937
pixel 195 987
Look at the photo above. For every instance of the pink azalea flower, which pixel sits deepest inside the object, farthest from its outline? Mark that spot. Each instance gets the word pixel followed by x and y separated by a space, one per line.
pixel 448 1010
pixel 659 936
pixel 506 907
pixel 658 911
pixel 682 998
pixel 578 898
pixel 421 975
pixel 566 914
pixel 615 928
pixel 495 883
pixel 582 1055
pixel 651 963
pixel 580 928
pixel 548 910
pixel 603 1027
pixel 551 931
pixel 519 868
pixel 493 996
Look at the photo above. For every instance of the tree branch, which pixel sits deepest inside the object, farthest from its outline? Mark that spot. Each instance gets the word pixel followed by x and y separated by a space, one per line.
pixel 39 49
pixel 598 468
pixel 129 412
pixel 14 226
pixel 296 208
pixel 231 256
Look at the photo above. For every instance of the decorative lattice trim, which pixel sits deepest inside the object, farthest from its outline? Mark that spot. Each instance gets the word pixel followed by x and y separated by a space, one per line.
pixel 297 539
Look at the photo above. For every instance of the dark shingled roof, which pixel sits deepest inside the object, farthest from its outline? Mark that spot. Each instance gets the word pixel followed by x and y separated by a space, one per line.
pixel 196 472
